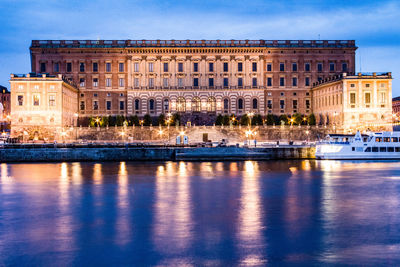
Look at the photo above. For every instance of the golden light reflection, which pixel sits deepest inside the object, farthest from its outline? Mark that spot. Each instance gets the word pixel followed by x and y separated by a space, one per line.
pixel 122 224
pixel 207 170
pixel 173 222
pixel 97 174
pixel 6 181
pixel 250 215
pixel 233 167
pixel 63 223
pixel 76 173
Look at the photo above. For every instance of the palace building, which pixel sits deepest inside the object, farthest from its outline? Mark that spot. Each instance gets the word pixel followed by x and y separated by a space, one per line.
pixel 138 77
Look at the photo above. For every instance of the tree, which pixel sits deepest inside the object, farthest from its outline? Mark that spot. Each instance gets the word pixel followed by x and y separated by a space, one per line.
pixel 270 120
pixel 161 120
pixel 133 120
pixel 257 120
pixel 311 119
pixel 104 121
pixel 283 118
pixel 176 119
pixel 297 118
pixel 147 120
pixel 218 120
pixel 119 120
pixel 244 120
pixel 226 120
pixel 234 120
pixel 111 120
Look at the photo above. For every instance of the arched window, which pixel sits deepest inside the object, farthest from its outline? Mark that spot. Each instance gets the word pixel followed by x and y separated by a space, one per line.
pixel 137 105
pixel 211 103
pixel 181 104
pixel 196 104
pixel 255 103
pixel 226 105
pixel 152 105
pixel 240 104
pixel 166 105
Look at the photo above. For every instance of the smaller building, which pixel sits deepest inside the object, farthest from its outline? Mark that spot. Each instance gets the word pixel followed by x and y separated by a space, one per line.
pixel 396 106
pixel 42 106
pixel 5 102
pixel 362 101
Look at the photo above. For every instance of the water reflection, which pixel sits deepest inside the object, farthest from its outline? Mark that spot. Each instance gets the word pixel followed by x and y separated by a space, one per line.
pixel 123 224
pixel 251 244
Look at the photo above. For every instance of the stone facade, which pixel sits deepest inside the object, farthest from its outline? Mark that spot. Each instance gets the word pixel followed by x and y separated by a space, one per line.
pixel 396 106
pixel 42 105
pixel 206 76
pixel 354 101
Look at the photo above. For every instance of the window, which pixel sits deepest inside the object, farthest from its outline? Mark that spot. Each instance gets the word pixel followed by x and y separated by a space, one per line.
pixel 254 66
pixel 281 66
pixel 210 82
pixel 240 81
pixel 196 82
pixel 151 105
pixel 374 149
pixel 307 81
pixel 52 100
pixel 395 139
pixel 181 104
pixel 82 106
pixel 20 100
pixel 196 104
pixel 95 67
pixel 136 82
pixel 352 85
pixel 390 149
pixel 165 66
pixel 108 94
pixel 255 103
pixel 95 105
pixel 42 67
pixel 121 67
pixel 225 66
pixel 240 66
pixel 254 82
pixel 269 81
pixel 57 67
pixel 282 104
pixel 226 82
pixel 282 81
pixel 368 149
pixel 307 67
pixel 82 67
pixel 282 94
pixel 378 139
pixel 166 105
pixel 226 104
pixel 211 103
pixel 82 82
pixel 382 149
pixel 195 66
pixel 95 82
pixel 211 67
pixel 269 67
pixel 294 81
pixel 240 103
pixel 151 82
pixel 165 82
pixel 108 67
pixel 108 82
pixel 180 82
pixel 180 67
pixel 367 85
pixel 319 67
pixel 136 67
pixel 108 105
pixel 294 104
pixel 382 97
pixel 137 104
pixel 352 99
pixel 69 66
pixel 269 104
pixel 294 66
pixel 36 100
pixel 307 103
pixel 151 66
pixel 331 67
pixel 95 95
pixel 121 82
pixel 344 67
pixel 367 99
pixel 386 139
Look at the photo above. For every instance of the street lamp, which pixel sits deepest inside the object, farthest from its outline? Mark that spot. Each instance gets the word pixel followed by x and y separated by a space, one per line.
pixel 97 120
pixel 291 121
pixel 250 115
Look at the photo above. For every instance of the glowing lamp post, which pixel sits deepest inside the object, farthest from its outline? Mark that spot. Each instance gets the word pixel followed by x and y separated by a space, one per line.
pixel 250 114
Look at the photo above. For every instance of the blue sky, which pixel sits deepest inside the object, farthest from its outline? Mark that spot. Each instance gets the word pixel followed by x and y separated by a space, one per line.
pixel 375 25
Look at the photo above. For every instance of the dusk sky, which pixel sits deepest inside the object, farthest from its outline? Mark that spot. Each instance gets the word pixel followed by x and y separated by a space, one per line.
pixel 375 25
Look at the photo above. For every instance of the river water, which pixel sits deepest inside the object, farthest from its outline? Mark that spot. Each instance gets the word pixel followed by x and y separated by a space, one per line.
pixel 200 213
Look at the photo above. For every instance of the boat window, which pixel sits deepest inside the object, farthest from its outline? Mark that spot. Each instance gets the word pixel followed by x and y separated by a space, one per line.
pixel 368 149
pixel 382 149
pixel 374 149
pixel 395 139
pixel 390 149
pixel 397 149
pixel 378 139
pixel 386 139
pixel 359 149
pixel 353 149
pixel 365 139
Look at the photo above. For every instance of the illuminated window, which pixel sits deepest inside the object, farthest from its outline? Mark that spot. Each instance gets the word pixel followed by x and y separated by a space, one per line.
pixel 95 82
pixel 52 100
pixel 181 104
pixel 108 82
pixel 121 82
pixel 211 103
pixel 36 100
pixel 196 104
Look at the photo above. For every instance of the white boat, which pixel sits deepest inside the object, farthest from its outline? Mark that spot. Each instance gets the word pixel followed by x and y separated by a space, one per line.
pixel 384 145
